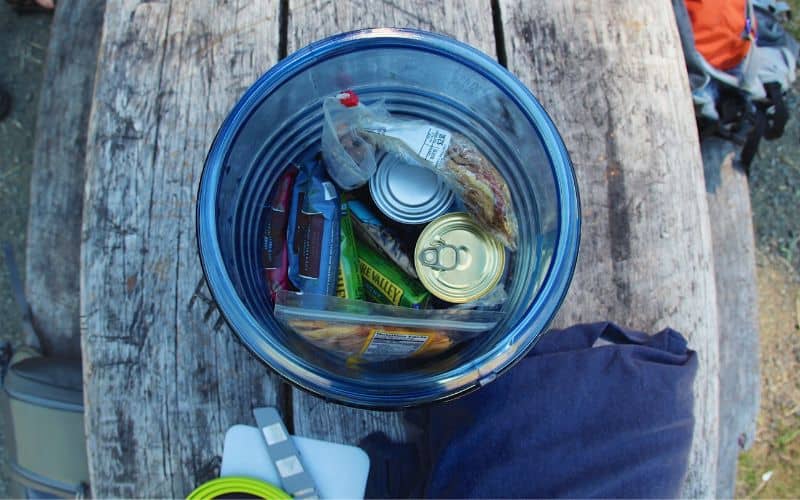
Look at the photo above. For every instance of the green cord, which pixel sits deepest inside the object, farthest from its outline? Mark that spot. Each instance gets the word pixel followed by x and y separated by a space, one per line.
pixel 241 485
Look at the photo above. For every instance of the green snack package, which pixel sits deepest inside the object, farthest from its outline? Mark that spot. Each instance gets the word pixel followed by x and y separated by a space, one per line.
pixel 385 283
pixel 348 283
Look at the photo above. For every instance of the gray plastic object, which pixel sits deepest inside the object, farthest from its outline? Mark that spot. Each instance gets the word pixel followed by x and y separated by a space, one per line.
pixel 42 404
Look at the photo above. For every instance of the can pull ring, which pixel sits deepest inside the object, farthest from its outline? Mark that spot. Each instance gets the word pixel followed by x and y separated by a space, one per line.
pixel 442 257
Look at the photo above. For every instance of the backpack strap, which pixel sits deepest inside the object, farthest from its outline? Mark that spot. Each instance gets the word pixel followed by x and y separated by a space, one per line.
pixel 776 121
pixel 769 122
pixel 750 147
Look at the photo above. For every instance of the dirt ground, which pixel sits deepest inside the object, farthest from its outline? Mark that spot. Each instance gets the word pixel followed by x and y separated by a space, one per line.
pixel 771 469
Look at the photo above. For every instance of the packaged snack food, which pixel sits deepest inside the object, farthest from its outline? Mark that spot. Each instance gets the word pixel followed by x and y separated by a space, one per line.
pixel 348 283
pixel 385 283
pixel 350 159
pixel 313 232
pixel 274 249
pixel 459 162
pixel 372 231
pixel 363 332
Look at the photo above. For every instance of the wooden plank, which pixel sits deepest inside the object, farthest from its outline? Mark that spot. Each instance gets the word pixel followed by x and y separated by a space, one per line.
pixel 737 303
pixel 467 20
pixel 54 220
pixel 164 377
pixel 613 79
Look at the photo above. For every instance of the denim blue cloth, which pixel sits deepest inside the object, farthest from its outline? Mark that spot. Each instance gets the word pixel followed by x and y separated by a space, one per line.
pixel 570 420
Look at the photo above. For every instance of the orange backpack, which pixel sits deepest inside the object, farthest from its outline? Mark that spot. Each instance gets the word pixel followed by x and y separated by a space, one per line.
pixel 723 30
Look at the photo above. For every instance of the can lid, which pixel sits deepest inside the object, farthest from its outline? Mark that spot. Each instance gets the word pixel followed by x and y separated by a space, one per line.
pixel 457 260
pixel 409 194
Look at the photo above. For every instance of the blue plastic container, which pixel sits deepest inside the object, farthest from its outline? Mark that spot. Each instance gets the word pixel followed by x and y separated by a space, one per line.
pixel 420 75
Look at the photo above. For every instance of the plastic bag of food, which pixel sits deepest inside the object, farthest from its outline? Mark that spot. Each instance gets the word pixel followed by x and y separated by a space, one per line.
pixel 365 332
pixel 348 283
pixel 372 231
pixel 349 158
pixel 313 232
pixel 274 249
pixel 459 162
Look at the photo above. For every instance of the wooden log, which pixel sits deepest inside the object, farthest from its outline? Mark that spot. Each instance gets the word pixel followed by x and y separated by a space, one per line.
pixel 612 77
pixel 737 303
pixel 164 377
pixel 54 221
pixel 467 20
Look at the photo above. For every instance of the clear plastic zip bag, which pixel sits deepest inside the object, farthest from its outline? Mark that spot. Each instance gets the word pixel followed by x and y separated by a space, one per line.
pixel 352 132
pixel 363 332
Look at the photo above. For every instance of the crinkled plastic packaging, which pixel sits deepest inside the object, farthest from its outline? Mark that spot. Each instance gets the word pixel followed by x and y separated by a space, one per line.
pixel 371 230
pixel 274 250
pixel 313 232
pixel 349 158
pixel 459 162
pixel 365 332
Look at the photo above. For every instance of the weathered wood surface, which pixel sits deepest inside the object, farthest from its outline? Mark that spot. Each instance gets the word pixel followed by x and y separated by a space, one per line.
pixel 613 80
pixel 57 180
pixel 467 20
pixel 612 77
pixel 737 303
pixel 164 377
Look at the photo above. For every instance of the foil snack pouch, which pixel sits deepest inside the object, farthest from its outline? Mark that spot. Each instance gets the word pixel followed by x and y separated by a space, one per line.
pixel 372 231
pixel 313 232
pixel 274 249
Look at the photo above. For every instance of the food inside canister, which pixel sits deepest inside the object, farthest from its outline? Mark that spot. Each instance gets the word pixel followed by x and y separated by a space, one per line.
pixel 366 332
pixel 385 283
pixel 453 157
pixel 312 233
pixel 355 243
pixel 408 194
pixel 348 282
pixel 275 251
pixel 458 261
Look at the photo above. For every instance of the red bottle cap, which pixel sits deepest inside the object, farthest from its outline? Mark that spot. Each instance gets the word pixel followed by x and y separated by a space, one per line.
pixel 348 98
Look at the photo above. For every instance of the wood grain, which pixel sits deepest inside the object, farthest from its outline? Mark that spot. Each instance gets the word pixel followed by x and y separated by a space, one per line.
pixel 54 223
pixel 612 77
pixel 467 20
pixel 737 302
pixel 164 377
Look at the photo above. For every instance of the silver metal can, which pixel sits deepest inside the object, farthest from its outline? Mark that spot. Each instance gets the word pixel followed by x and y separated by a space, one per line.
pixel 407 193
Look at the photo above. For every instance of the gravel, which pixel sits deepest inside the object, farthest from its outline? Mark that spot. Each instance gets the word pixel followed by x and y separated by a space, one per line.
pixel 775 190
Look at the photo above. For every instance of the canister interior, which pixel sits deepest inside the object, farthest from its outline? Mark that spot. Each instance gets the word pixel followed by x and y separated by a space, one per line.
pixel 430 78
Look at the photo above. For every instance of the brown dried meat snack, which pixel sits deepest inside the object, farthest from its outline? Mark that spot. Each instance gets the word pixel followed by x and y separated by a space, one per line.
pixel 483 189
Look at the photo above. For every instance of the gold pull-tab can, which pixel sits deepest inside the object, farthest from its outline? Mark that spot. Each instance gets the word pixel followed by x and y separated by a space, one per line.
pixel 457 260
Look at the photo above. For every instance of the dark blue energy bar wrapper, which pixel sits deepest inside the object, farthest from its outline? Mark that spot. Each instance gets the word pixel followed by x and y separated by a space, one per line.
pixel 313 232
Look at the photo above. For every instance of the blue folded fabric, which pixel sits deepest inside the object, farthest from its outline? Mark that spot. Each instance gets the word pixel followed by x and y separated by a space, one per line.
pixel 570 420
